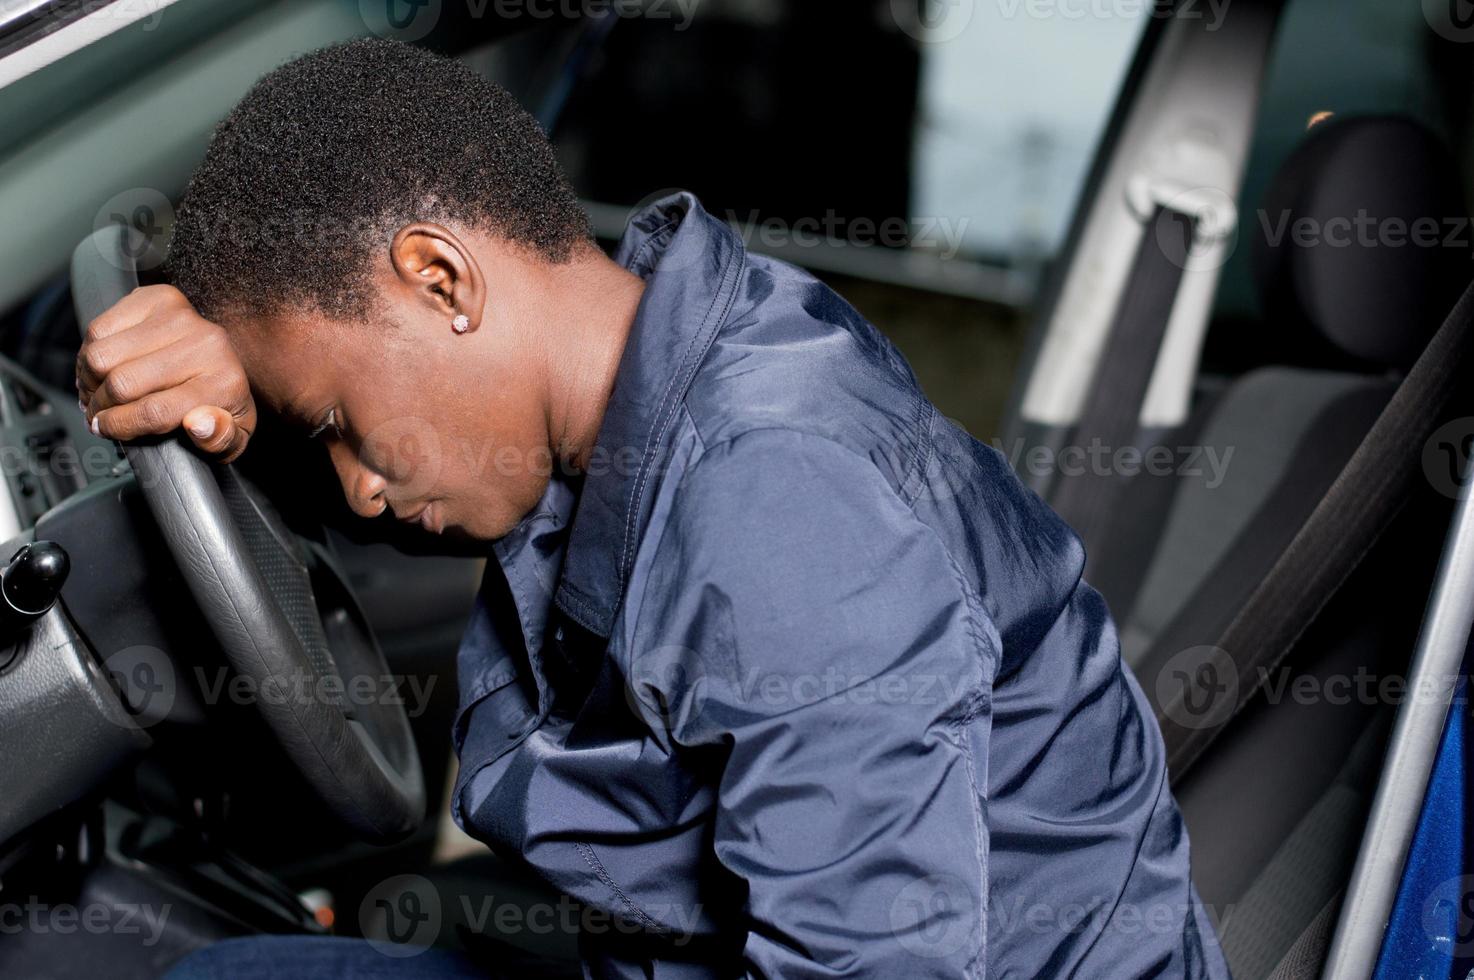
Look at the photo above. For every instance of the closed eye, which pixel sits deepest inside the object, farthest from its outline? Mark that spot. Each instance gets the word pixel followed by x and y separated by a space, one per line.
pixel 329 421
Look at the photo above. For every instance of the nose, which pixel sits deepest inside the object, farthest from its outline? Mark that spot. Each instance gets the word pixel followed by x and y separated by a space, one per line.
pixel 364 488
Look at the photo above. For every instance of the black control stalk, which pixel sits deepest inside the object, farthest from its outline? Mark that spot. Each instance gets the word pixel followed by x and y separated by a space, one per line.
pixel 30 584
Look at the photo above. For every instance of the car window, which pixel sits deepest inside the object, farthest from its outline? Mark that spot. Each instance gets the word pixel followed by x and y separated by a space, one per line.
pixel 1351 58
pixel 922 158
pixel 1011 113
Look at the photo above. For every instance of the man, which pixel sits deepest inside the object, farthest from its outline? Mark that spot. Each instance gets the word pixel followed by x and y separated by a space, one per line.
pixel 773 663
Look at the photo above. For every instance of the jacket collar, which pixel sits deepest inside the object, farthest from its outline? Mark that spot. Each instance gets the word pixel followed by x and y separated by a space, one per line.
pixel 691 264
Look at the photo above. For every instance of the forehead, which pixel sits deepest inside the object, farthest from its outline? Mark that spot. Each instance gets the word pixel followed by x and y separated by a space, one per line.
pixel 291 361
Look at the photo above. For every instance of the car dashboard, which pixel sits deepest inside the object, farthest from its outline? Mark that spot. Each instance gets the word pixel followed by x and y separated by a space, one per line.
pixel 64 724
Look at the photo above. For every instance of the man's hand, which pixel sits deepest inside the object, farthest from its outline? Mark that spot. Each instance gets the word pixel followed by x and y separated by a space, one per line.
pixel 151 364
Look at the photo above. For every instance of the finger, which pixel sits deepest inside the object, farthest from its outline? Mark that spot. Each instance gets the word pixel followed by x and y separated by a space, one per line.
pixel 216 432
pixel 150 371
pixel 131 310
pixel 156 414
pixel 97 358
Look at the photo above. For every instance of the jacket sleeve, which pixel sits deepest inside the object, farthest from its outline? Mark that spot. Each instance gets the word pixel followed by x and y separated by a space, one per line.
pixel 800 619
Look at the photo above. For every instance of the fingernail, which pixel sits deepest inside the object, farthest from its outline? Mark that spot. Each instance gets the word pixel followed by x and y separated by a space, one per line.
pixel 203 427
pixel 94 427
pixel 81 408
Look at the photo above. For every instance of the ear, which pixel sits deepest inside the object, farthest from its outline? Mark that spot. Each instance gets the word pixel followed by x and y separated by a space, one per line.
pixel 431 260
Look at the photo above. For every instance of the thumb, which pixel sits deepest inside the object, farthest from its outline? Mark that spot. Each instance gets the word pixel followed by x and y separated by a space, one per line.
pixel 214 431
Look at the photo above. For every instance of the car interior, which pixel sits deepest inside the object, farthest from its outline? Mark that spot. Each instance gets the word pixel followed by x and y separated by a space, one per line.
pixel 1181 316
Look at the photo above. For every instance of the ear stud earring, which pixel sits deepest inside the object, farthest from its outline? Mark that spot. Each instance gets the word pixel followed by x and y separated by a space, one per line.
pixel 461 323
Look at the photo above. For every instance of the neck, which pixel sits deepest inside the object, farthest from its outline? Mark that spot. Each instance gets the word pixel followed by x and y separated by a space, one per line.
pixel 599 299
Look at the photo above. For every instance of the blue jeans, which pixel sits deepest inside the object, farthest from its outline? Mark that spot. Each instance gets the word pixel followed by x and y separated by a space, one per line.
pixel 318 958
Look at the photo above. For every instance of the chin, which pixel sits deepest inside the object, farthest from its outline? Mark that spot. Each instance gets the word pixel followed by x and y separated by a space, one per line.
pixel 485 531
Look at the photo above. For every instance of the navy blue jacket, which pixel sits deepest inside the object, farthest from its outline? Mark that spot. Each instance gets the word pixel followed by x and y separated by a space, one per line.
pixel 797 680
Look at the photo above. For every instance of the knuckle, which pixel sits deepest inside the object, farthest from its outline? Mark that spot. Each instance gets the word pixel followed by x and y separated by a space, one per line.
pixel 237 388
pixel 220 345
pixel 160 293
pixel 152 414
pixel 230 387
pixel 121 387
pixel 95 359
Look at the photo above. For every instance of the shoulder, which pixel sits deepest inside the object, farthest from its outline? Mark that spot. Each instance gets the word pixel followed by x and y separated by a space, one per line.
pixel 776 535
pixel 780 513
pixel 793 356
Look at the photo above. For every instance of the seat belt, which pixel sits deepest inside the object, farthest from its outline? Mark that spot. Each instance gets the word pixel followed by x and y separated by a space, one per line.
pixel 1343 527
pixel 1304 959
pixel 1111 414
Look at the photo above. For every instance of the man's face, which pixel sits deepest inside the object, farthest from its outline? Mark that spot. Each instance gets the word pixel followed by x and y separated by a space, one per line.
pixel 444 429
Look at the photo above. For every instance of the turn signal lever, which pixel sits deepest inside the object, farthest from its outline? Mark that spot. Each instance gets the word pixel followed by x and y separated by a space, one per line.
pixel 30 583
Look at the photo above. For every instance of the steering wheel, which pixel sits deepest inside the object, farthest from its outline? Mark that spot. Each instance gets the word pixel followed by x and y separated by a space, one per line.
pixel 253 580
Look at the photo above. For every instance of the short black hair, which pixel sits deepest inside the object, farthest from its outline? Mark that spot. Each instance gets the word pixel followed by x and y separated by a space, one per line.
pixel 329 155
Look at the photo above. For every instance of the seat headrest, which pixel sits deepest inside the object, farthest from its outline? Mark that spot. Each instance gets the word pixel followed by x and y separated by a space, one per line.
pixel 1363 236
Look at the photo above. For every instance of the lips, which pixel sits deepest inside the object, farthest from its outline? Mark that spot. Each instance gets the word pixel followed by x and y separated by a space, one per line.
pixel 426 517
